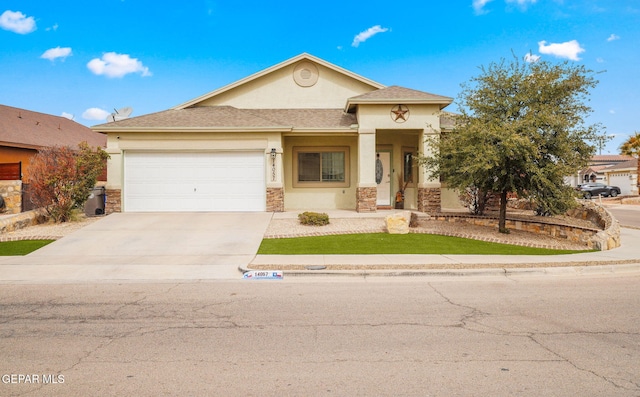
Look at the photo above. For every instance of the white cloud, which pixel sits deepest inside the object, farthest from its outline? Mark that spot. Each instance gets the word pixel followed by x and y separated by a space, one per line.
pixel 523 3
pixel 54 28
pixel 67 115
pixel 478 6
pixel 17 22
pixel 531 58
pixel 95 114
pixel 600 60
pixel 59 52
pixel 364 36
pixel 613 37
pixel 569 49
pixel 117 65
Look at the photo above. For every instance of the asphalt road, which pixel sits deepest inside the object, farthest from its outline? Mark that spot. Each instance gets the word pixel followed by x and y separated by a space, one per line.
pixel 628 215
pixel 483 336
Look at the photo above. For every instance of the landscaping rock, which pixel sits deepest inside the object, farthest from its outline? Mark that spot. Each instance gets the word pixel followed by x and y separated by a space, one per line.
pixel 398 223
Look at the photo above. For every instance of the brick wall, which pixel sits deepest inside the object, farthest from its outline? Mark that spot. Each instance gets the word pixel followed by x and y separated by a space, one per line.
pixel 113 201
pixel 429 200
pixel 275 199
pixel 366 199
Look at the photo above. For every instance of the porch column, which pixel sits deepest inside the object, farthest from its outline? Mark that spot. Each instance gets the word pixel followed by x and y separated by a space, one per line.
pixel 366 192
pixel 429 190
pixel 275 186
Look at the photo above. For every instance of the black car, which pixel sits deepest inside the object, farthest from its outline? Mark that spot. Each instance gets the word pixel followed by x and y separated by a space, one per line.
pixel 594 189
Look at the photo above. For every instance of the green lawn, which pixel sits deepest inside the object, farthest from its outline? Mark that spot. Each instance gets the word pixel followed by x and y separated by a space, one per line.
pixel 22 247
pixel 383 243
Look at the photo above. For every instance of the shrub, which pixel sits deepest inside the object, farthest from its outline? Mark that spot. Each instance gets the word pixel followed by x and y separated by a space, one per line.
pixel 62 178
pixel 313 218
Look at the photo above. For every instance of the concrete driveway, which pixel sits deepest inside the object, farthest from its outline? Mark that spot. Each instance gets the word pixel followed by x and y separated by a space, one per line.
pixel 147 246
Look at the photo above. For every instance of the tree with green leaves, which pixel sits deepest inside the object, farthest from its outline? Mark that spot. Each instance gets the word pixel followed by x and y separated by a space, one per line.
pixel 521 129
pixel 61 178
pixel 631 147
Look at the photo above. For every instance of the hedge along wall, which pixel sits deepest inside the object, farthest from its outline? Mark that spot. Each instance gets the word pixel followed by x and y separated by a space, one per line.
pixel 604 236
pixel 11 192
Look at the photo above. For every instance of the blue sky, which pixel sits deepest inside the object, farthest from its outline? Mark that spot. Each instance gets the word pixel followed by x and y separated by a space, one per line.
pixel 86 58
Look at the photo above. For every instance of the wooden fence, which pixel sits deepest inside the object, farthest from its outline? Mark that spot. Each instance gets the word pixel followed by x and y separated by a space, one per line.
pixel 11 171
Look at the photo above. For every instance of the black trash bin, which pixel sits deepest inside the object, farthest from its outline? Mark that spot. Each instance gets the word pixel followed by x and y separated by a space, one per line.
pixel 95 203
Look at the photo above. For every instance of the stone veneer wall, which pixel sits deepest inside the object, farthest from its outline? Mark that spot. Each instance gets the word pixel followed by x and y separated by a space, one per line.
pixel 429 200
pixel 11 192
pixel 22 220
pixel 609 237
pixel 113 201
pixel 594 238
pixel 275 199
pixel 366 199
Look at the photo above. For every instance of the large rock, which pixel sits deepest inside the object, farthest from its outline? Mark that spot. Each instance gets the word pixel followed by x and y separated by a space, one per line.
pixel 398 223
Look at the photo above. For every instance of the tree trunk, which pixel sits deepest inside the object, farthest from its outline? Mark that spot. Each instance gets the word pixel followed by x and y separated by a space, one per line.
pixel 502 219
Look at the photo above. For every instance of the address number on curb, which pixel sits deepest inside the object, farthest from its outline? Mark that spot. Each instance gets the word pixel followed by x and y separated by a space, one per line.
pixel 263 275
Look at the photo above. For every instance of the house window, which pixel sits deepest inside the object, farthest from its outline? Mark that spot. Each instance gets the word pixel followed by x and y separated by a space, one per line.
pixel 408 166
pixel 321 167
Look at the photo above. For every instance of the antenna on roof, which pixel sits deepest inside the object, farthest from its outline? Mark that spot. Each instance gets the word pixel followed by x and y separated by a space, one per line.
pixel 120 114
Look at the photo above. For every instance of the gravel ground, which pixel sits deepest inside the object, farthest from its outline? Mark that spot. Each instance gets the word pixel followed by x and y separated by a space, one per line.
pixel 49 231
pixel 279 228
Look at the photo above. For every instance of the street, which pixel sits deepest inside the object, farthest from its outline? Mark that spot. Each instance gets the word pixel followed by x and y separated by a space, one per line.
pixel 421 336
pixel 628 215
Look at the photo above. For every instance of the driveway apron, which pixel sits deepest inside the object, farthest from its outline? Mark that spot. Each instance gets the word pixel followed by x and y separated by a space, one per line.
pixel 138 246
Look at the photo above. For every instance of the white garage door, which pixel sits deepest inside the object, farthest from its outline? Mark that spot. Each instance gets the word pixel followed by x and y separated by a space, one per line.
pixel 187 181
pixel 622 180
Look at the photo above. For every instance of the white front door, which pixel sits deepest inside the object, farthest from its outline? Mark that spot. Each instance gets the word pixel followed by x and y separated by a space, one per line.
pixel 383 178
pixel 194 181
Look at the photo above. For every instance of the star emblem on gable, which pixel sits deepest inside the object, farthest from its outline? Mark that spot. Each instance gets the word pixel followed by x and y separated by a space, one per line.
pixel 399 113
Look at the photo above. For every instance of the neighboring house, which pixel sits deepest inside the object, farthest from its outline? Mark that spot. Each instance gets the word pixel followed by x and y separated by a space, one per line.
pixel 596 171
pixel 624 175
pixel 23 132
pixel 303 134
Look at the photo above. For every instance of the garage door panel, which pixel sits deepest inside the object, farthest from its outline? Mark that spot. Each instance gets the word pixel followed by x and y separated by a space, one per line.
pixel 173 182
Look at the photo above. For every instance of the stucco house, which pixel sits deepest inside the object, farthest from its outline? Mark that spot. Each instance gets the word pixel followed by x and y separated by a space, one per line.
pixel 611 169
pixel 303 134
pixel 23 132
pixel 624 175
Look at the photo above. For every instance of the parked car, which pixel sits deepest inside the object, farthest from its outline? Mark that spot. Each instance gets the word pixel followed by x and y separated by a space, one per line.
pixel 589 190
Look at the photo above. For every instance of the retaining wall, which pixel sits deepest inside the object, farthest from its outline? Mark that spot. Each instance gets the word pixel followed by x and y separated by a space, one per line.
pixel 604 235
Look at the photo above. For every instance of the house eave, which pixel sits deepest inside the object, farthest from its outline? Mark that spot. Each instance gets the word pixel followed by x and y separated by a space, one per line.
pixel 351 104
pixel 194 129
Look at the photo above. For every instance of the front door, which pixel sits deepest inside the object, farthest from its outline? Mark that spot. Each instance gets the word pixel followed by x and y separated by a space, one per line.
pixel 383 178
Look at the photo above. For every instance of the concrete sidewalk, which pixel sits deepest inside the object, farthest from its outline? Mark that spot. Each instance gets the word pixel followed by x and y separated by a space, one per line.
pixel 623 259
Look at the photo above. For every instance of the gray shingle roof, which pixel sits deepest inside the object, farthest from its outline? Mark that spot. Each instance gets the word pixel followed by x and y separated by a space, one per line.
pixel 28 129
pixel 633 164
pixel 221 117
pixel 396 93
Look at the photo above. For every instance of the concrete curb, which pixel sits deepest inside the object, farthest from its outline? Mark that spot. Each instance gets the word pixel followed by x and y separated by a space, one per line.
pixel 615 267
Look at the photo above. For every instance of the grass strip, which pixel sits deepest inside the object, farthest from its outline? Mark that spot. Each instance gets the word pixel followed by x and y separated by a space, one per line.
pixel 384 243
pixel 21 247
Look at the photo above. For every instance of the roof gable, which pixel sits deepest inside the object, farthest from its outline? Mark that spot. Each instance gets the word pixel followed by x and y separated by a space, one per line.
pixel 283 86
